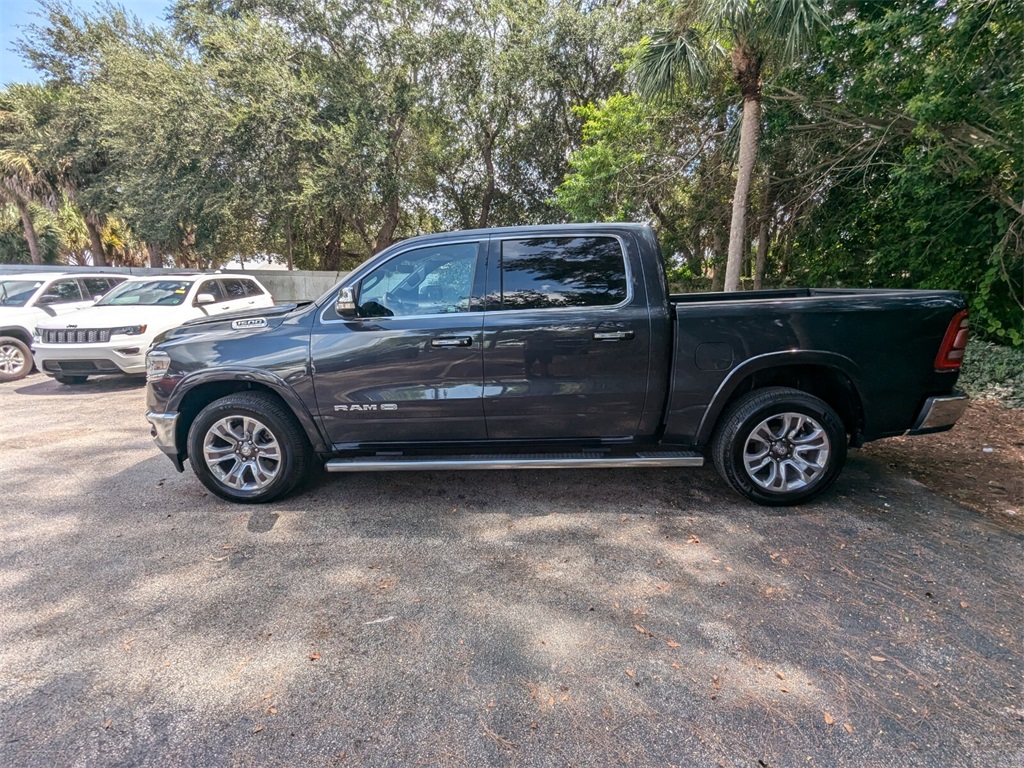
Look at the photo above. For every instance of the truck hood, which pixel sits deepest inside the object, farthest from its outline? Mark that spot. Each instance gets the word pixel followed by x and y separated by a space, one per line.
pixel 113 317
pixel 247 320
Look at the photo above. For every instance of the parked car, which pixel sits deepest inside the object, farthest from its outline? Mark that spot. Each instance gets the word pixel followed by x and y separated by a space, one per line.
pixel 112 337
pixel 546 347
pixel 27 298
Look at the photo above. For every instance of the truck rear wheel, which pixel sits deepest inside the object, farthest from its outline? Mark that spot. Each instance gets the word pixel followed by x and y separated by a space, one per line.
pixel 15 359
pixel 248 448
pixel 779 446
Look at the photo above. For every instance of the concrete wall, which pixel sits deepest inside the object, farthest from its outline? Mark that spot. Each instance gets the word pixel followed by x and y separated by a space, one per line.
pixel 285 286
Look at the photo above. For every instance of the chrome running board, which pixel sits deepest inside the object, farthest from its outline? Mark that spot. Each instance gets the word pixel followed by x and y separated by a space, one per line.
pixel 516 461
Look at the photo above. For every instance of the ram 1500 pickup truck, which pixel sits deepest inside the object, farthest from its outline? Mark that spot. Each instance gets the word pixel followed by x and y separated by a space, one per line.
pixel 548 347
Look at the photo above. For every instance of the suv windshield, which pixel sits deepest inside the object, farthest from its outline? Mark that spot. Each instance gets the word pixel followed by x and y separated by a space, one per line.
pixel 16 293
pixel 164 293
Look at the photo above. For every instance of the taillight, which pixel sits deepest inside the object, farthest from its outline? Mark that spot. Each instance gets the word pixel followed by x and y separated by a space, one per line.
pixel 951 353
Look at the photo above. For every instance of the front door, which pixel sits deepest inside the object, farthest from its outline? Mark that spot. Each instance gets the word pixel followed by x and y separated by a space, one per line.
pixel 566 340
pixel 409 367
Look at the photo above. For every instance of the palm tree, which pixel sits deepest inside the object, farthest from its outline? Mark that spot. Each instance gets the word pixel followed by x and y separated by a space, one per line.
pixel 753 34
pixel 23 180
pixel 22 183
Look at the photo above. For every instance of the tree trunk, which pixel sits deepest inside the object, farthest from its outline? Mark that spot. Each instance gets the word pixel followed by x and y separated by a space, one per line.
pixel 289 238
pixel 156 259
pixel 762 253
pixel 99 256
pixel 30 231
pixel 750 130
pixel 488 197
pixel 717 269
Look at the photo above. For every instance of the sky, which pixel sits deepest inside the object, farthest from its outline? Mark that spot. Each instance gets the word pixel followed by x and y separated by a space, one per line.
pixel 17 14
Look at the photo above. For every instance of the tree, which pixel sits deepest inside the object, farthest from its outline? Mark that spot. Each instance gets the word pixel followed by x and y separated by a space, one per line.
pixel 754 34
pixel 23 179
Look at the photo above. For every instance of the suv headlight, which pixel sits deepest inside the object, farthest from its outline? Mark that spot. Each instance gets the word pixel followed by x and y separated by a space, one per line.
pixel 157 364
pixel 128 330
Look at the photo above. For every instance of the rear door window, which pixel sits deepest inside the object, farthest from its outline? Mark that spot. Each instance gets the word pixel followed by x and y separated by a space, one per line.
pixel 96 286
pixel 558 272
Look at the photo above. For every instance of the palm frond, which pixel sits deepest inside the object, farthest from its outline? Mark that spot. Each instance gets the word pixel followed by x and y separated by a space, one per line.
pixel 795 24
pixel 667 59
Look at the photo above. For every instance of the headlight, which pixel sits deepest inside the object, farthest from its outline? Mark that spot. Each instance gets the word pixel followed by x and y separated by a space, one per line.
pixel 128 330
pixel 157 364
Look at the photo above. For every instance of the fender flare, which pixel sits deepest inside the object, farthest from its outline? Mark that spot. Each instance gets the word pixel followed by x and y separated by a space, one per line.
pixel 239 374
pixel 740 373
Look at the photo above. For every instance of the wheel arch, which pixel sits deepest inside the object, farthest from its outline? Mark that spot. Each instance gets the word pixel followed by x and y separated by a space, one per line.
pixel 19 333
pixel 199 390
pixel 826 375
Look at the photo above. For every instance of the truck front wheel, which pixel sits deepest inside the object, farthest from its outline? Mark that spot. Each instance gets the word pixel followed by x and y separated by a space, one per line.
pixel 779 446
pixel 248 448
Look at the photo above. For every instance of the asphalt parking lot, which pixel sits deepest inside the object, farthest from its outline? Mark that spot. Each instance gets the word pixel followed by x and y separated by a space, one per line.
pixel 573 618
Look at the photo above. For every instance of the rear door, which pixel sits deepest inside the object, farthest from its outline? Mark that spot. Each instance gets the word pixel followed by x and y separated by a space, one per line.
pixel 409 367
pixel 566 339
pixel 61 296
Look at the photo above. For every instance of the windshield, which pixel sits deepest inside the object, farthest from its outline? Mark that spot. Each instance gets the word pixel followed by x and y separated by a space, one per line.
pixel 16 293
pixel 164 293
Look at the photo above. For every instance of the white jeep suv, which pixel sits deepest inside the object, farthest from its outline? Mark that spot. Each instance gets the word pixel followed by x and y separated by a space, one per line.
pixel 113 336
pixel 28 298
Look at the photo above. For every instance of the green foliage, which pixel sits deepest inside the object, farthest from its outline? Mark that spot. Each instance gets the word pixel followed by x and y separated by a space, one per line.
pixel 992 371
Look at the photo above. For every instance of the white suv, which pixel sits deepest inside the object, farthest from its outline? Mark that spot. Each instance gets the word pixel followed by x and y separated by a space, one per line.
pixel 28 298
pixel 113 335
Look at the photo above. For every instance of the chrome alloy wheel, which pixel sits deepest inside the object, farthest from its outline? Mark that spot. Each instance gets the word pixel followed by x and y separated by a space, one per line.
pixel 12 359
pixel 242 453
pixel 786 452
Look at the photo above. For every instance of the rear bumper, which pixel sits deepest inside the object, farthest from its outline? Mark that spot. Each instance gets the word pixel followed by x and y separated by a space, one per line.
pixel 939 413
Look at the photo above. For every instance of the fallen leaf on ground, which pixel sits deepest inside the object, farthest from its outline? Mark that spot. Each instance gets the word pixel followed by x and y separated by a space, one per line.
pixel 630 673
pixel 780 675
pixel 672 644
pixel 878 658
pixel 107 724
pixel 829 720
pixel 642 631
pixel 848 727
pixel 314 656
pixel 257 729
pixel 693 539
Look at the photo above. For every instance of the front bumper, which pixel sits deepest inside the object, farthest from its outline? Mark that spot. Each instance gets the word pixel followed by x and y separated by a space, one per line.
pixel 940 413
pixel 127 357
pixel 164 429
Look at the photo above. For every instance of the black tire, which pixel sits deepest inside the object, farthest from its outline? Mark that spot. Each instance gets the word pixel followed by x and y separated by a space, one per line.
pixel 795 465
pixel 63 378
pixel 247 472
pixel 15 359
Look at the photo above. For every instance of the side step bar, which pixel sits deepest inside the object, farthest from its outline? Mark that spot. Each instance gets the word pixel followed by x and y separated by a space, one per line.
pixel 515 461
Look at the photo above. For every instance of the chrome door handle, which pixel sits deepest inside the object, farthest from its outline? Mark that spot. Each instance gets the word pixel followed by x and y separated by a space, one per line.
pixel 461 341
pixel 613 335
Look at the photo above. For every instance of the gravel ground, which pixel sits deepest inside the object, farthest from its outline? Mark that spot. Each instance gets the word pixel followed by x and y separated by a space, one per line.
pixel 575 618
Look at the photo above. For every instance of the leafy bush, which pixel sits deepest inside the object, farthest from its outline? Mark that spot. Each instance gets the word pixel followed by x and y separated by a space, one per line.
pixel 995 372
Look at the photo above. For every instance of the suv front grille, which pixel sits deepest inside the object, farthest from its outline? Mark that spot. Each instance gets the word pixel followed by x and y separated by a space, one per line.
pixel 80 336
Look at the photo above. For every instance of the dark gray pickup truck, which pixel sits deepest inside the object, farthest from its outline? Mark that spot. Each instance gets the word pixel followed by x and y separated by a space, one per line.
pixel 548 347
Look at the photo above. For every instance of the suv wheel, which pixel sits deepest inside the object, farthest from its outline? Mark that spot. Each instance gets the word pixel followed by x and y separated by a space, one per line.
pixel 248 448
pixel 779 446
pixel 15 359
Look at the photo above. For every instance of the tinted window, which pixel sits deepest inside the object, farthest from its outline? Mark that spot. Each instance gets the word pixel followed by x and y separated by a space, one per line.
pixel 213 287
pixel 251 289
pixel 426 281
pixel 548 272
pixel 233 288
pixel 61 292
pixel 95 286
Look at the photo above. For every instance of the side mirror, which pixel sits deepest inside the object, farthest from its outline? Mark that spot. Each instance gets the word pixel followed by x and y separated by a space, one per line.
pixel 50 298
pixel 345 306
pixel 205 298
pixel 97 297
